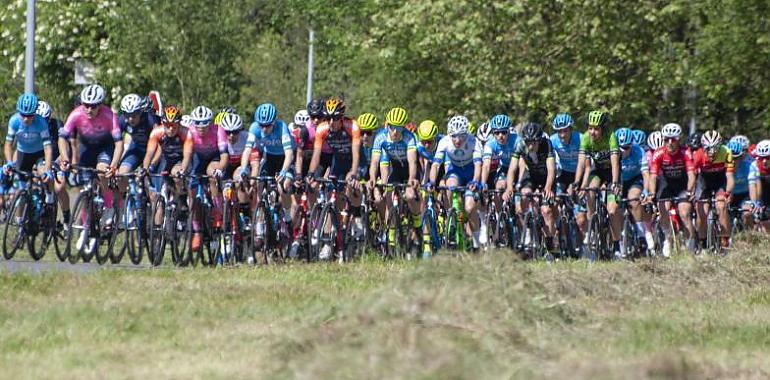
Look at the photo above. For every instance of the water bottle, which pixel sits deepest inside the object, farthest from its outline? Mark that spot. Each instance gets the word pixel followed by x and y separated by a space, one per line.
pixel 38 207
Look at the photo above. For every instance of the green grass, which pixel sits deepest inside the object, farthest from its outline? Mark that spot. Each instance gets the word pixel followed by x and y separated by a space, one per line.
pixel 490 316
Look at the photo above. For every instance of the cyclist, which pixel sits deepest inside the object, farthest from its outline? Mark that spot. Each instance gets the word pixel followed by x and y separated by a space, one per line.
pixel 633 166
pixel 427 133
pixel 165 149
pixel 460 153
pixel 495 160
pixel 534 151
pixel 237 139
pixel 395 155
pixel 566 144
pixel 484 133
pixel 303 140
pixel 207 154
pixel 759 183
pixel 137 124
pixel 672 177
pixel 694 142
pixel 99 141
pixel 343 136
pixel 368 135
pixel 716 180
pixel 60 186
pixel 315 110
pixel 740 197
pixel 601 145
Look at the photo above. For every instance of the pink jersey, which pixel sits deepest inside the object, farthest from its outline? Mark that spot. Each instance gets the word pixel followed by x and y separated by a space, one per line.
pixel 311 127
pixel 101 130
pixel 213 143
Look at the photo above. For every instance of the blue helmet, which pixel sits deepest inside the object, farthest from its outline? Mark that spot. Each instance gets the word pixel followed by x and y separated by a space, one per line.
pixel 265 113
pixel 639 137
pixel 624 136
pixel 736 148
pixel 500 122
pixel 562 121
pixel 27 104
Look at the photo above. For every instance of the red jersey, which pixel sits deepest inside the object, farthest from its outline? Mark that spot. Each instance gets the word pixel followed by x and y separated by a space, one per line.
pixel 673 166
pixel 341 141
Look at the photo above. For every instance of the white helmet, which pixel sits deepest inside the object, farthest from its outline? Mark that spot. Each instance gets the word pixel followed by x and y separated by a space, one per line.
pixel 301 118
pixel 711 139
pixel 655 140
pixel 743 140
pixel 92 94
pixel 132 103
pixel 484 132
pixel 231 122
pixel 186 121
pixel 762 149
pixel 671 130
pixel 201 115
pixel 457 125
pixel 44 109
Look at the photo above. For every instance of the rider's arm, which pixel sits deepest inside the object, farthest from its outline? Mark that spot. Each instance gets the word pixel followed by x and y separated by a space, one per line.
pixel 8 151
pixel 48 153
pixel 152 145
pixel 513 167
pixel 355 135
pixel 287 141
pixel 118 139
pixel 374 164
pixel 187 151
pixel 729 171
pixel 615 162
pixel 412 161
pixel 550 165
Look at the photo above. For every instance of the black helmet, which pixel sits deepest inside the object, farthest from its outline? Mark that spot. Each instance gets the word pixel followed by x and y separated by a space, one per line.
pixel 531 131
pixel 316 107
pixel 694 141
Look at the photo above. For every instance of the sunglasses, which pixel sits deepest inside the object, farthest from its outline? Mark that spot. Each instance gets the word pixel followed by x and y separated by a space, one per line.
pixel 201 124
pixel 230 133
pixel 366 133
pixel 459 136
pixel 28 116
pixel 500 133
pixel 531 142
pixel 671 139
pixel 91 106
pixel 266 125
pixel 133 114
pixel 625 147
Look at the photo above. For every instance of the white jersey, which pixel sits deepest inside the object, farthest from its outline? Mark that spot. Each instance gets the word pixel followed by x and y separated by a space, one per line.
pixel 467 154
pixel 236 150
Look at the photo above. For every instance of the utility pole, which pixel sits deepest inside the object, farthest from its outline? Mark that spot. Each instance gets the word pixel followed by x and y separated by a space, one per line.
pixel 310 68
pixel 29 53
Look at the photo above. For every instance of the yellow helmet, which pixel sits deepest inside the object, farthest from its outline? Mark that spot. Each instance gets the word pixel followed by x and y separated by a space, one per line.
pixel 427 131
pixel 368 121
pixel 396 117
pixel 472 128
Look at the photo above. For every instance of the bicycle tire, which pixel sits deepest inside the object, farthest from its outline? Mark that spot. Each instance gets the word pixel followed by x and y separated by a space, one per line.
pixel 133 227
pixel 593 248
pixel 181 252
pixel 117 239
pixel 328 217
pixel 158 231
pixel 41 235
pixel 630 238
pixel 80 213
pixel 565 237
pixel 18 224
pixel 210 238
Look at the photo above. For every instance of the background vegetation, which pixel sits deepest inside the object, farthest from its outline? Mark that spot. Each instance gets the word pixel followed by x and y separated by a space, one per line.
pixel 648 62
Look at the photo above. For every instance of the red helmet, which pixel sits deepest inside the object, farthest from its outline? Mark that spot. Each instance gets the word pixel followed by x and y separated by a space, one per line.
pixel 171 115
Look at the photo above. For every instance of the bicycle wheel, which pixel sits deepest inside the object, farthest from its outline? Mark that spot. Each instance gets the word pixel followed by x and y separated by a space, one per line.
pixel 629 238
pixel 430 239
pixel 181 248
pixel 593 248
pixel 14 234
pixel 313 233
pixel 450 230
pixel 327 230
pixel 713 243
pixel 210 238
pixel 158 231
pixel 43 235
pixel 79 233
pixel 116 236
pixel 230 235
pixel 566 237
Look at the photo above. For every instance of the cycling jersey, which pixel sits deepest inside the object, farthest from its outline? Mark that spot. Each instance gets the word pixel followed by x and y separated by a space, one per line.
pixel 634 164
pixel 468 153
pixel 312 131
pixel 599 150
pixel 29 138
pixel 742 169
pixel 171 146
pixel 428 152
pixel 721 163
pixel 209 145
pixel 54 126
pixel 568 154
pixel 140 134
pixel 536 161
pixel 759 170
pixel 276 143
pixel 395 151
pixel 235 151
pixel 100 132
pixel 499 155
pixel 303 137
pixel 340 141
pixel 673 166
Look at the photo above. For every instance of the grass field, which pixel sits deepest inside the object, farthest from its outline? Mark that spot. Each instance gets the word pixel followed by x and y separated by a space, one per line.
pixel 490 316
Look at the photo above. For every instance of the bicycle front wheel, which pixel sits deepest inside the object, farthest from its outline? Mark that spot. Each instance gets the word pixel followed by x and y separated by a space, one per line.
pixel 158 231
pixel 14 234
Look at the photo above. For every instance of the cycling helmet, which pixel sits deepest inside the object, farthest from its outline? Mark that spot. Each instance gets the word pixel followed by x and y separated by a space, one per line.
pixel 396 117
pixel 231 122
pixel 171 115
pixel 531 131
pixel 671 130
pixel 562 121
pixel 735 148
pixel 368 122
pixel 472 128
pixel 694 141
pixel 44 109
pixel 411 127
pixel 427 131
pixel 301 118
pixel 624 136
pixel 484 132
pixel 500 123
pixel 598 119
pixel 92 94
pixel 201 115
pixel 186 121
pixel 639 137
pixel 458 125
pixel 711 139
pixel 743 140
pixel 265 114
pixel 27 104
pixel 655 140
pixel 334 108
pixel 315 108
pixel 763 149
pixel 224 111
pixel 132 103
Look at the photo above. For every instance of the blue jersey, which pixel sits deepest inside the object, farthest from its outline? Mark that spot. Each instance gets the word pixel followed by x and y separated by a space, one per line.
pixel 633 165
pixel 394 151
pixel 140 134
pixel 568 155
pixel 427 153
pixel 741 175
pixel 29 138
pixel 277 143
pixel 500 155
